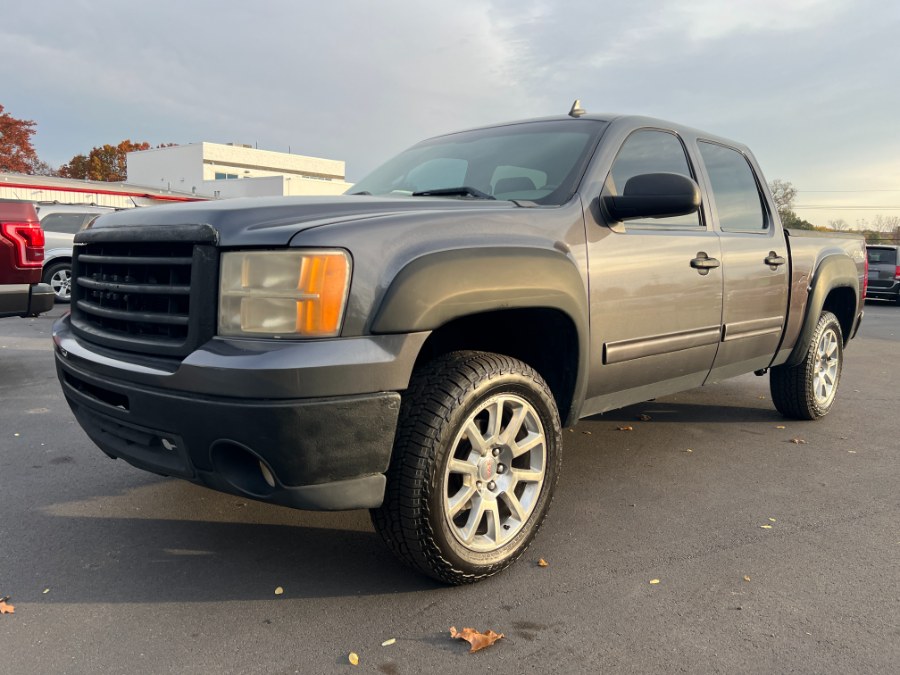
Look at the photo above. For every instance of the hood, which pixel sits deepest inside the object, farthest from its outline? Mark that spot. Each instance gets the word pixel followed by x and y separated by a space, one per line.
pixel 273 221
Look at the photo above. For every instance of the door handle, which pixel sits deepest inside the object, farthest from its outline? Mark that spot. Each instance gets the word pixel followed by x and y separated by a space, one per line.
pixel 703 263
pixel 773 260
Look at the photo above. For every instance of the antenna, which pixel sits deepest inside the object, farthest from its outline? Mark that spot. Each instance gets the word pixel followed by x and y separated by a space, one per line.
pixel 577 110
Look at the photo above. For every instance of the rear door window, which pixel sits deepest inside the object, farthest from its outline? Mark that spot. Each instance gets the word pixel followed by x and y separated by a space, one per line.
pixel 736 194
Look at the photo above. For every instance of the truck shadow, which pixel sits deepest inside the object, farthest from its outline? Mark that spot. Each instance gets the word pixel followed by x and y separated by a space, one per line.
pixel 170 549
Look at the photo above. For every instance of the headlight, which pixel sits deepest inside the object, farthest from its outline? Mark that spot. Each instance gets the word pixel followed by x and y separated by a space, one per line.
pixel 283 293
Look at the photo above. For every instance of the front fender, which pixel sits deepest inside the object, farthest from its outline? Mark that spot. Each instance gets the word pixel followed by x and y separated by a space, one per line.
pixel 437 288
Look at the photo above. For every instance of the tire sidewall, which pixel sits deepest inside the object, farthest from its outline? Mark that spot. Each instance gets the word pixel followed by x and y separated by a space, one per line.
pixel 826 321
pixel 485 388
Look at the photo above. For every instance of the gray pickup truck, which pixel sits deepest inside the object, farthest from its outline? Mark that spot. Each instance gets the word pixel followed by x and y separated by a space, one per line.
pixel 416 346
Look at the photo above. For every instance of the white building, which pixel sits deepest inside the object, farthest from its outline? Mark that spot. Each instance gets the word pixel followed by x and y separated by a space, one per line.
pixel 216 170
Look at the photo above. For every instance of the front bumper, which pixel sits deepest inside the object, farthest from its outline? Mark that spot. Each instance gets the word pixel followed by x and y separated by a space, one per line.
pixel 304 425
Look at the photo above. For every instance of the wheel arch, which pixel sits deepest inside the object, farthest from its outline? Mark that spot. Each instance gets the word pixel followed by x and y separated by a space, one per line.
pixel 528 303
pixel 834 288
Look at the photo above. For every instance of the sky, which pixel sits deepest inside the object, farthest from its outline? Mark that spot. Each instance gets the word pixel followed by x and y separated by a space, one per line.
pixel 812 86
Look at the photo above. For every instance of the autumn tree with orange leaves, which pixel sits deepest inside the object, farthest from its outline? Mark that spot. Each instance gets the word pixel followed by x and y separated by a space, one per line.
pixel 106 163
pixel 17 155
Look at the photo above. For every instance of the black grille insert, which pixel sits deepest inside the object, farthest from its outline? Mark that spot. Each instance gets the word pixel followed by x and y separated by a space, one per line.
pixel 154 297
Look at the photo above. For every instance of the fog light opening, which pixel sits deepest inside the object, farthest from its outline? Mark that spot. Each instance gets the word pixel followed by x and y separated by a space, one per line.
pixel 243 469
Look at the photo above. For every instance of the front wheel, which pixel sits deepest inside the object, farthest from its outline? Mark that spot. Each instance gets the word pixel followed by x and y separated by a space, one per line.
pixel 806 391
pixel 475 462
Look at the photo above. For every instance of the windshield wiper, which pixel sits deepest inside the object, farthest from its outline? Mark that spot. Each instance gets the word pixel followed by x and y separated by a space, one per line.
pixel 363 192
pixel 454 192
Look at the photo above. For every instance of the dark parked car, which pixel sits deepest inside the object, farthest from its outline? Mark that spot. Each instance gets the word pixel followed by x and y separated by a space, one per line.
pixel 884 272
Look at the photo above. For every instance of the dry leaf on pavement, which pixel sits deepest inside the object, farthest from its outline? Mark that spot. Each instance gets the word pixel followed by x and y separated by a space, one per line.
pixel 798 441
pixel 474 638
pixel 653 582
pixel 766 527
pixel 624 428
pixel 746 577
pixel 388 643
pixel 543 563
pixel 353 658
pixel 6 609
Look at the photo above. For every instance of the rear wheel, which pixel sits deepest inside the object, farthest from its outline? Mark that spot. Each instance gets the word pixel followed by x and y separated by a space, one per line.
pixel 806 391
pixel 474 466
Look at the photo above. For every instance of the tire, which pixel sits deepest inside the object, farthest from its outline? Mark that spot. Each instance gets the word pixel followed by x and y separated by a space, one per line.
pixel 59 278
pixel 458 505
pixel 807 391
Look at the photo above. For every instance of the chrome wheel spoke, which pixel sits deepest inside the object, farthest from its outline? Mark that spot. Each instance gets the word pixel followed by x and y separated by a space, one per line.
pixel 463 467
pixel 473 434
pixel 476 515
pixel 460 500
pixel 528 475
pixel 514 505
pixel 526 444
pixel 509 434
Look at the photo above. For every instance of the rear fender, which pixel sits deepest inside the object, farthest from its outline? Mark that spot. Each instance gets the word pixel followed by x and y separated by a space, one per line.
pixel 834 271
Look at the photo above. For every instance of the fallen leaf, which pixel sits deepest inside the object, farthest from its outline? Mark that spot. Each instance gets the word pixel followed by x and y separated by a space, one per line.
pixel 772 520
pixel 353 658
pixel 766 527
pixel 798 441
pixel 852 452
pixel 474 638
pixel 644 417
pixel 388 643
pixel 46 590
pixel 279 590
pixel 746 577
pixel 688 450
pixel 653 582
pixel 624 428
pixel 781 426
pixel 586 433
pixel 6 609
pixel 543 563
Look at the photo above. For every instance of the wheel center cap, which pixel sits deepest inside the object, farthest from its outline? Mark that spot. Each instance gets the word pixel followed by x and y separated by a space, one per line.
pixel 487 468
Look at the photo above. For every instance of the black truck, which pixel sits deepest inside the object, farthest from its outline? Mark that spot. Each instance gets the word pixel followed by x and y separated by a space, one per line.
pixel 415 347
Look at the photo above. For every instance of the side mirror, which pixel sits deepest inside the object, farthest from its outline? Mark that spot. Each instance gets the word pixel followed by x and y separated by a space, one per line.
pixel 654 195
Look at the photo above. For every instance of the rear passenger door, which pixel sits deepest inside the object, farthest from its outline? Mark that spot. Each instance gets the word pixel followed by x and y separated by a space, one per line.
pixel 755 264
pixel 655 317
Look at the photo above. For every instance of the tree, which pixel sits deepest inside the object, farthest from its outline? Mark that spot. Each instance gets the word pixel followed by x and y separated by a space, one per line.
pixel 784 193
pixel 17 155
pixel 106 163
pixel 839 225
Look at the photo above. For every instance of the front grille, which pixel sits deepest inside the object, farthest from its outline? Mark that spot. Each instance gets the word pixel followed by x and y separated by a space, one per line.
pixel 148 296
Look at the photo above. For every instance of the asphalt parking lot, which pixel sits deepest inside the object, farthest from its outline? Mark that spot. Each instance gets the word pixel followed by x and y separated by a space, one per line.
pixel 771 555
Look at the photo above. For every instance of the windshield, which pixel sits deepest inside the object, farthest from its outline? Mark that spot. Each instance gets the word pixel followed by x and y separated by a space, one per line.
pixel 539 162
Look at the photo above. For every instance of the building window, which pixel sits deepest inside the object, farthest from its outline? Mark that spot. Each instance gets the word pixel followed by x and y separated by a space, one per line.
pixel 226 176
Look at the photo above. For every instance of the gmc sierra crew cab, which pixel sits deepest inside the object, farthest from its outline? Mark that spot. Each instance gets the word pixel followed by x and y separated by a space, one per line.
pixel 21 258
pixel 415 347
